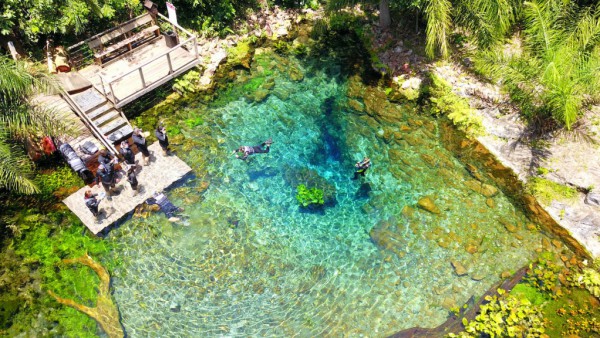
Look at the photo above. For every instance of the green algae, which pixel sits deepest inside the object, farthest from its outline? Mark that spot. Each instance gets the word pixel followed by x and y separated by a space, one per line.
pixel 547 191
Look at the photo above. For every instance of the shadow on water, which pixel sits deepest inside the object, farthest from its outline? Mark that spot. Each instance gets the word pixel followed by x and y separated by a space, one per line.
pixel 328 149
pixel 267 172
pixel 363 192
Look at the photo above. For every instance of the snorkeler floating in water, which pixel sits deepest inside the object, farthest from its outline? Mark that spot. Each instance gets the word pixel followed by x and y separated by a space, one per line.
pixel 244 151
pixel 165 205
pixel 361 167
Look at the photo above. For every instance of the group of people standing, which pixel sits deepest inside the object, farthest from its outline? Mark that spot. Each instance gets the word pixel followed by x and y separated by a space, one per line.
pixel 106 173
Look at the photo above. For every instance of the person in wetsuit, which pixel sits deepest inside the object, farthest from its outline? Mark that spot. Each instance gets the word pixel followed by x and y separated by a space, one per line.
pixel 106 175
pixel 106 158
pixel 361 167
pixel 165 205
pixel 163 139
pixel 140 142
pixel 132 179
pixel 244 151
pixel 128 154
pixel 92 202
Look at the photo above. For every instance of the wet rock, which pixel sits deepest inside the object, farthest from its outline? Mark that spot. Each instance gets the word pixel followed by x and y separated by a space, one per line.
pixel 556 243
pixel 459 269
pixel 268 84
pixel 482 188
pixel 546 244
pixel 259 95
pixel 296 74
pixel 490 203
pixel 505 274
pixel 448 303
pixel 471 248
pixel 508 226
pixel 174 307
pixel 531 227
pixel 405 128
pixel 408 212
pixel 519 237
pixel 356 105
pixel 592 198
pixel 282 94
pixel 477 277
pixel 426 203
pixel 383 236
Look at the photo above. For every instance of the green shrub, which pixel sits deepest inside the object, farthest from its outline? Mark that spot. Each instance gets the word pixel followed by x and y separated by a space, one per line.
pixel 59 180
pixel 445 102
pixel 308 196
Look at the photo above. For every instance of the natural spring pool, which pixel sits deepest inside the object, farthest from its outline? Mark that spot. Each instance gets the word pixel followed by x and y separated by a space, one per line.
pixel 251 262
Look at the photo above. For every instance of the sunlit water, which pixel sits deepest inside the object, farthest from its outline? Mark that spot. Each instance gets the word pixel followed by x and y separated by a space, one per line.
pixel 250 262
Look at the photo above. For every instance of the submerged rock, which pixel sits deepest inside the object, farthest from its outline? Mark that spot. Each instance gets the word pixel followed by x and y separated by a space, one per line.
pixel 482 188
pixel 459 269
pixel 426 203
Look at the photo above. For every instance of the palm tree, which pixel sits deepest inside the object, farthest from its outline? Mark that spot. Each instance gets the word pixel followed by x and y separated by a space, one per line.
pixel 557 73
pixel 19 119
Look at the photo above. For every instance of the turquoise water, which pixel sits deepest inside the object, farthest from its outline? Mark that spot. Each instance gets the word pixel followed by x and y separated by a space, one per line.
pixel 248 261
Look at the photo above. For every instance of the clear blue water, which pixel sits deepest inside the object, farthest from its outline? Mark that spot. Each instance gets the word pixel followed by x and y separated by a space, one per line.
pixel 250 262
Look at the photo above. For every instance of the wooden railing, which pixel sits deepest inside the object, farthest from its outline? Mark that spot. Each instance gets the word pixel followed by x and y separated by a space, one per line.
pixel 141 71
pixel 89 123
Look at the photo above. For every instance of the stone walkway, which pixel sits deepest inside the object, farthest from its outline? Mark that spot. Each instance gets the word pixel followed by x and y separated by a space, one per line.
pixel 161 173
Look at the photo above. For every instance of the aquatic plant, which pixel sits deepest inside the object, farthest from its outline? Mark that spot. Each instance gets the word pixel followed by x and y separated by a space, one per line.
pixel 44 241
pixel 543 275
pixel 309 196
pixel 59 183
pixel 505 317
pixel 444 102
pixel 590 279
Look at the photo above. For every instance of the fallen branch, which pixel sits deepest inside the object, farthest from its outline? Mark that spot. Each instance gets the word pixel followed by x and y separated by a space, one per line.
pixel 105 313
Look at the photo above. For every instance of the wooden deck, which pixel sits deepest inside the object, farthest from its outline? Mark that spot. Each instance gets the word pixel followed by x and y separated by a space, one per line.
pixel 158 63
pixel 161 173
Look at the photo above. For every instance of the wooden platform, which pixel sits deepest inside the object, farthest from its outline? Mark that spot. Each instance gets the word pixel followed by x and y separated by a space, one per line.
pixel 156 67
pixel 161 173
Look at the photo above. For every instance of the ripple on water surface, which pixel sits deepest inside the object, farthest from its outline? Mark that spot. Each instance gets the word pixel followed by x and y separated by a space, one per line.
pixel 252 263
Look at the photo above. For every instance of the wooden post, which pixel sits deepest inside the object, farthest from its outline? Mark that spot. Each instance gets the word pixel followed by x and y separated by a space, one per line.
pixel 102 83
pixel 142 77
pixel 170 64
pixel 112 93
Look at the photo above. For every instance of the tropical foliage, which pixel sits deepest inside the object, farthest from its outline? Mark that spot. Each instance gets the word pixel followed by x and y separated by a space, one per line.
pixel 20 120
pixel 556 71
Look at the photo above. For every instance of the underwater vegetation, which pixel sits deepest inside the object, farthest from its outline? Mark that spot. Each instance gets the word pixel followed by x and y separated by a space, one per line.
pixel 309 196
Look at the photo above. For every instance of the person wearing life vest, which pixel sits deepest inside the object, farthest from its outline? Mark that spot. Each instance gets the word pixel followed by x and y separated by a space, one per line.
pixel 361 167
pixel 128 154
pixel 132 179
pixel 106 158
pixel 244 151
pixel 163 139
pixel 165 205
pixel 92 202
pixel 106 175
pixel 140 142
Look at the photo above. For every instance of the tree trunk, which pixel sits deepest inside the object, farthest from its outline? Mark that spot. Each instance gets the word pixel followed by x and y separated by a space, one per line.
pixel 384 14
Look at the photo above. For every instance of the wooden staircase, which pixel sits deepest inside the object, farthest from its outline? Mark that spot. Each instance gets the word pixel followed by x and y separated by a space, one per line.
pixel 106 122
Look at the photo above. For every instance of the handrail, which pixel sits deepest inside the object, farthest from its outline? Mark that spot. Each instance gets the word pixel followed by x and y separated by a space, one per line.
pixel 90 124
pixel 174 24
pixel 105 32
pixel 156 58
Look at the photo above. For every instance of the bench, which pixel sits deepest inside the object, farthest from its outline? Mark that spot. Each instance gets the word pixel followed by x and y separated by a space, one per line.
pixel 123 38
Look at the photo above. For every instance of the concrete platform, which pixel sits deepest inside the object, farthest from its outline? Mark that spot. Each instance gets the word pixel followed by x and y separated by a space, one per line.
pixel 161 173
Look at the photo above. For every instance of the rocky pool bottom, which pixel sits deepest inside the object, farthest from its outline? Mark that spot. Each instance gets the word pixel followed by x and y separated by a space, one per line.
pixel 419 235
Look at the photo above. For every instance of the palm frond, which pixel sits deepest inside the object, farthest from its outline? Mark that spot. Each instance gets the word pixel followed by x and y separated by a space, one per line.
pixel 439 24
pixel 15 170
